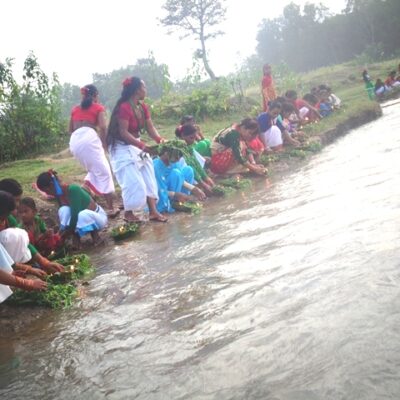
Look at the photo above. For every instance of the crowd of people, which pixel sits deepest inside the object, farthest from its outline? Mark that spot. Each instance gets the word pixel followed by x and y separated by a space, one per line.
pixel 151 177
pixel 381 87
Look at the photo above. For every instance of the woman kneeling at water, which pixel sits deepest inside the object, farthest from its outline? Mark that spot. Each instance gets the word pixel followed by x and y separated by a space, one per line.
pixel 191 157
pixel 79 214
pixel 229 149
pixel 174 181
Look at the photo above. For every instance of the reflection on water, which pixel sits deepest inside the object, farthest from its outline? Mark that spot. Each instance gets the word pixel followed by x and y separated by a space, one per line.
pixel 291 292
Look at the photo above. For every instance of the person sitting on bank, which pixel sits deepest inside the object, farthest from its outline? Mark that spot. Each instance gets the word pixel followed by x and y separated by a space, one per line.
pixel 380 88
pixel 175 182
pixel 270 129
pixel 44 239
pixel 79 214
pixel 16 240
pixel 9 278
pixel 187 132
pixel 391 81
pixel 201 145
pixel 229 149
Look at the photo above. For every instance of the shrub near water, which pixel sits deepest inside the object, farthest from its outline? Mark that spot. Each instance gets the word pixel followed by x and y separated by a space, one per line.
pixel 30 116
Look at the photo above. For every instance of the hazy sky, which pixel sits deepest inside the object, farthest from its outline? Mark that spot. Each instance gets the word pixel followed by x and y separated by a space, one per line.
pixel 78 37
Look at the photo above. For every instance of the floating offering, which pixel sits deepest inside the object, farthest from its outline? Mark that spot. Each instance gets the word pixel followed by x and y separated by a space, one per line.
pixel 187 206
pixel 56 296
pixel 235 183
pixel 61 286
pixel 54 254
pixel 124 231
pixel 76 267
pixel 221 191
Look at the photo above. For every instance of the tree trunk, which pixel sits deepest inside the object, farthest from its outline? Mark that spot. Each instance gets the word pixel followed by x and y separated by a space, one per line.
pixel 205 61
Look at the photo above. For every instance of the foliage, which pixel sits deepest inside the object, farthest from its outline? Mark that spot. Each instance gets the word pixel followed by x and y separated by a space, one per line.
pixel 187 206
pixel 56 296
pixel 235 183
pixel 311 37
pixel 30 117
pixel 70 97
pixel 222 191
pixel 155 75
pixel 196 18
pixel 61 287
pixel 210 100
pixel 124 231
pixel 76 266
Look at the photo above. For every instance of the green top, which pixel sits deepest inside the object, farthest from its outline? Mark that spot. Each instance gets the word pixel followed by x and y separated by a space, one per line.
pixel 191 160
pixel 13 223
pixel 231 138
pixel 40 225
pixel 79 200
pixel 203 147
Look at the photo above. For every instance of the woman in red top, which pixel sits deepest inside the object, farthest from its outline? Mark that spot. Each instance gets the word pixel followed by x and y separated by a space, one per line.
pixel 268 87
pixel 89 147
pixel 130 159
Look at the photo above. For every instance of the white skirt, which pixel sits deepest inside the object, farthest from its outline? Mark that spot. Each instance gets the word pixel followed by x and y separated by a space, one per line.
pixel 88 220
pixel 272 137
pixel 86 147
pixel 5 265
pixel 134 172
pixel 16 241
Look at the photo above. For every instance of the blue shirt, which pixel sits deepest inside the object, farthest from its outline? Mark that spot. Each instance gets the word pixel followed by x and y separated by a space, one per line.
pixel 265 122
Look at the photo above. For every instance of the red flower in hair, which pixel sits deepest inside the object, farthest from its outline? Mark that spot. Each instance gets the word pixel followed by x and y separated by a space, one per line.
pixel 127 82
pixel 84 91
pixel 51 172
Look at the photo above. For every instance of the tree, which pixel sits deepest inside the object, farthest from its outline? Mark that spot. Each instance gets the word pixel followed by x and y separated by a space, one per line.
pixel 30 111
pixel 195 17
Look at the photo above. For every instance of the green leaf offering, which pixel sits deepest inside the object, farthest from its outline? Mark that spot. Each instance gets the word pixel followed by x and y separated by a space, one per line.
pixel 76 267
pixel 187 206
pixel 221 191
pixel 235 183
pixel 124 231
pixel 61 290
pixel 56 296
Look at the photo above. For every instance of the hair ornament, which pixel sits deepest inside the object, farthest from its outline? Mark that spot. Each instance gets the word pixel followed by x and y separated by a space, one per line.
pixel 84 91
pixel 127 82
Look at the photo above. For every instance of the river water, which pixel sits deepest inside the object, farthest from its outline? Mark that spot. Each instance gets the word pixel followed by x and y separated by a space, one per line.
pixel 289 292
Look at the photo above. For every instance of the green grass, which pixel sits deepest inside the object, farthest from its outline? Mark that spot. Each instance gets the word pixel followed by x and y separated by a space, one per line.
pixel 26 171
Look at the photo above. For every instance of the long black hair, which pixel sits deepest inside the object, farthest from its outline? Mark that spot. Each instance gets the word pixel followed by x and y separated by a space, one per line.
pixel 130 87
pixel 88 92
pixel 185 130
pixel 7 203
pixel 11 186
pixel 250 124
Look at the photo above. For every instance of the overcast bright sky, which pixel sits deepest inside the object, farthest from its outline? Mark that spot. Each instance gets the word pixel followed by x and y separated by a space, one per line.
pixel 76 38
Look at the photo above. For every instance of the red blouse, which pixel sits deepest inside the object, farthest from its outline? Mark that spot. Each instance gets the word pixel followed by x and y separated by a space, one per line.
pixel 136 119
pixel 90 114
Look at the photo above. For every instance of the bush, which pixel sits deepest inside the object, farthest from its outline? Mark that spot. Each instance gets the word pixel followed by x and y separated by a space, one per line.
pixel 30 113
pixel 208 101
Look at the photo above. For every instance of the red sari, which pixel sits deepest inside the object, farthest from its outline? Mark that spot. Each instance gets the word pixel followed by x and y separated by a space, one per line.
pixel 268 91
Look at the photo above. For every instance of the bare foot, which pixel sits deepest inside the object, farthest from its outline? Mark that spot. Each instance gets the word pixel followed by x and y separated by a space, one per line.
pixel 157 217
pixel 96 238
pixel 76 242
pixel 130 217
pixel 113 212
